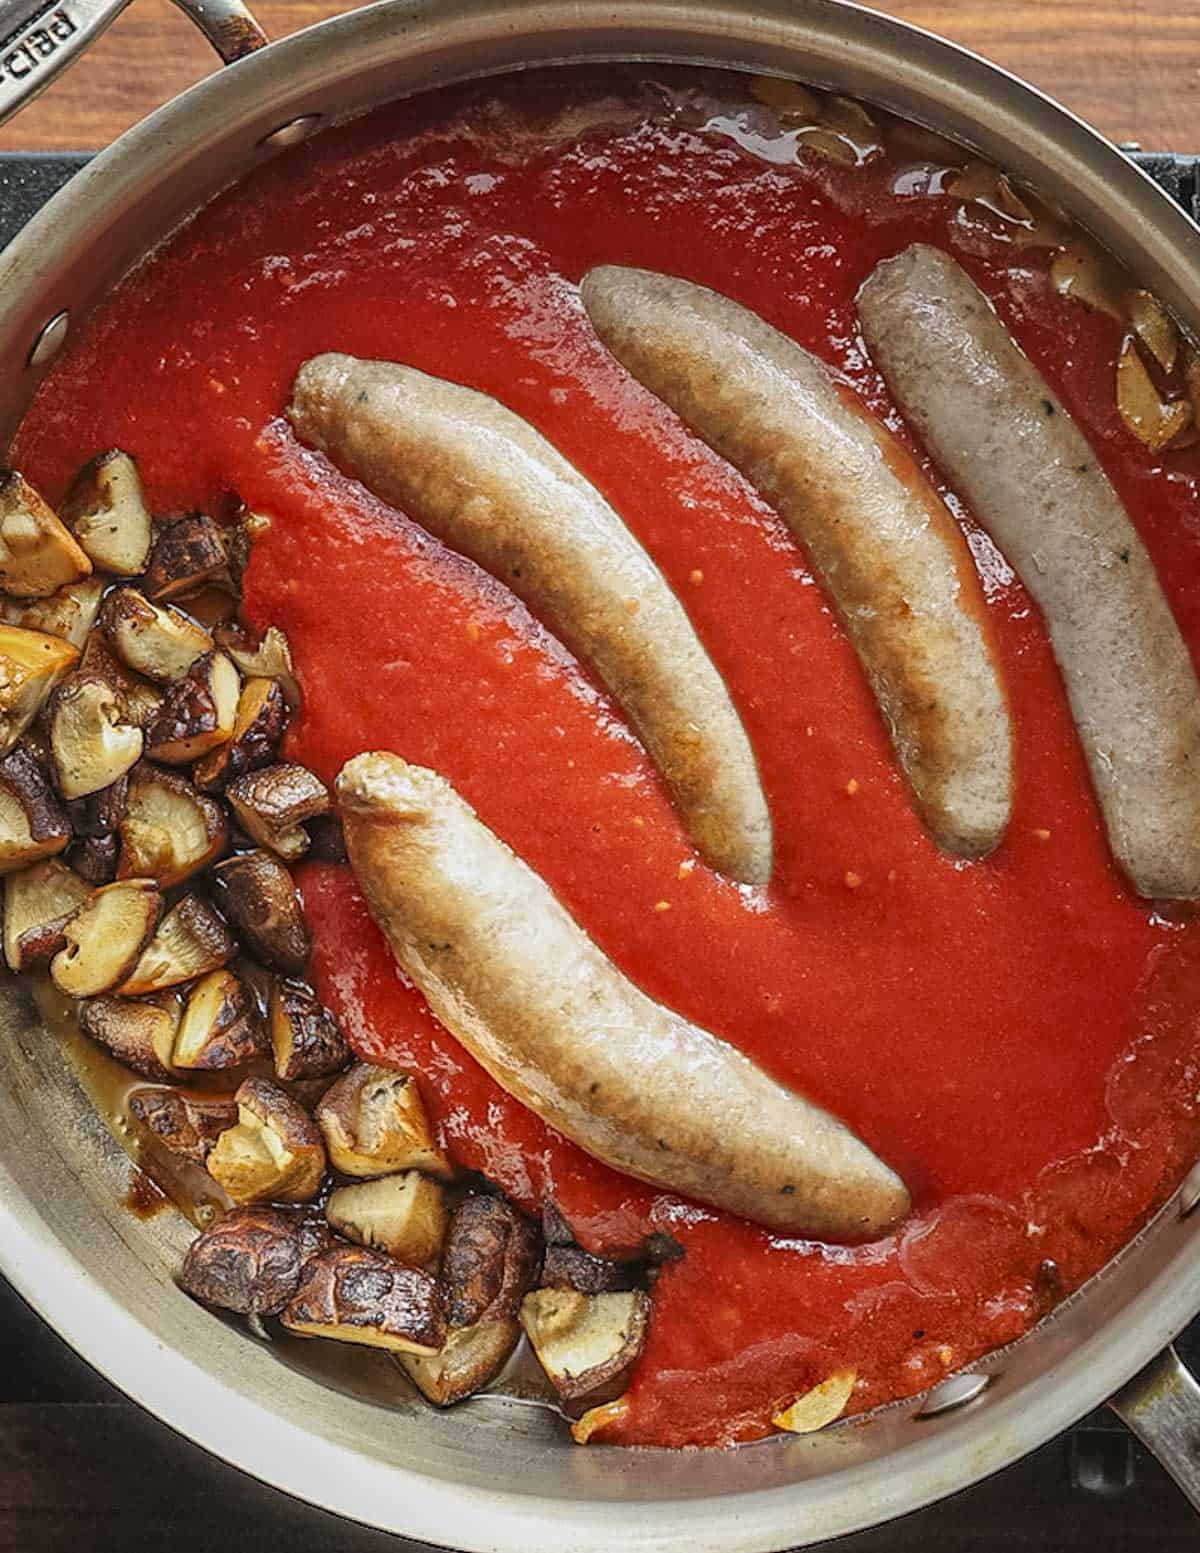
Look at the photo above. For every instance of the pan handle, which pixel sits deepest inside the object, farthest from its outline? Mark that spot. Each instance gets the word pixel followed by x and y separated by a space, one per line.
pixel 1161 1405
pixel 39 38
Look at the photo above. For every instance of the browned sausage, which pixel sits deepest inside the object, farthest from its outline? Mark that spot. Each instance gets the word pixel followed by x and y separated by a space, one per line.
pixel 483 480
pixel 887 550
pixel 519 983
pixel 1007 443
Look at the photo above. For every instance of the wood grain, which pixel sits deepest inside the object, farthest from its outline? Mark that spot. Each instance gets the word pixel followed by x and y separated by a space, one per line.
pixel 1131 67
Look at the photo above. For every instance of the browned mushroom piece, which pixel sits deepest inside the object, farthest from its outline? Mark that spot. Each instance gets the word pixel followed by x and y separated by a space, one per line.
pixel 38 901
pixel 94 822
pixel 185 1123
pixel 305 1037
pixel 31 664
pixel 191 940
pixel 94 859
pixel 272 804
pixel 37 554
pixel 354 1295
pixel 70 613
pixel 188 554
pixel 327 840
pixel 140 696
pixel 257 895
pixel 315 1236
pixel 220 1027
pixel 140 1033
pixel 33 823
pixel 571 1267
pixel 490 1261
pixel 268 657
pixel 106 509
pixel 169 831
pixel 106 937
pixel 240 527
pixel 93 742
pixel 586 1343
pixel 198 712
pixel 469 1359
pixel 404 1215
pixel 156 640
pixel 248 1261
pixel 274 1152
pixel 258 727
pixel 99 813
pixel 374 1124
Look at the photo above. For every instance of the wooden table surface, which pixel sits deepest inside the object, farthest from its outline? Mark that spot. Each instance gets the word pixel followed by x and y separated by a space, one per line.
pixel 1132 67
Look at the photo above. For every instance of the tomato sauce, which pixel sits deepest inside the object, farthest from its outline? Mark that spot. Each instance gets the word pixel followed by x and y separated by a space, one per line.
pixel 1020 1037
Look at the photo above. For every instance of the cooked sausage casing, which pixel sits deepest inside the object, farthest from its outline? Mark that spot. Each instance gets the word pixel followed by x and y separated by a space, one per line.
pixel 884 545
pixel 484 481
pixel 514 978
pixel 1008 445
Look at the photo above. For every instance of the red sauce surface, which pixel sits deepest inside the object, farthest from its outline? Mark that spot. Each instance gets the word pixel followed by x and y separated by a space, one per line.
pixel 1017 1037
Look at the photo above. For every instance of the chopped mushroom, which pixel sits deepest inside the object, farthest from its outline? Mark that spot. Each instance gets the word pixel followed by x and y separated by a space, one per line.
pixel 305 1037
pixel 70 613
pixel 197 713
pixel 272 804
pixel 220 1026
pixel 100 813
pixel 33 824
pixel 328 840
pixel 138 1033
pixel 269 658
pixel 94 821
pixel 355 1295
pixel 191 939
pixel 585 1342
pixel 248 1261
pixel 315 1236
pixel 259 725
pixel 169 831
pixel 571 1267
pixel 105 938
pixel 466 1362
pixel 31 664
pixel 37 903
pixel 92 742
pixel 94 858
pixel 37 554
pixel 188 555
pixel 106 507
pixel 257 894
pixel 186 1124
pixel 140 697
pixel 156 640
pixel 274 1152
pixel 490 1261
pixel 404 1215
pixel 374 1124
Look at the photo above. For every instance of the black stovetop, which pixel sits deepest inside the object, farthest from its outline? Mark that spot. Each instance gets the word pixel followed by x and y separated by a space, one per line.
pixel 83 1469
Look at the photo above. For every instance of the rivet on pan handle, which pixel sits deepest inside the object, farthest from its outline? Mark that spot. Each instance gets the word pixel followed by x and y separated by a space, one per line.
pixel 39 38
pixel 1161 1404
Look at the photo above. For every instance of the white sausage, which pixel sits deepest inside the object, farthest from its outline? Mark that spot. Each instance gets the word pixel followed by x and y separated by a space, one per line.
pixel 514 978
pixel 1006 442
pixel 484 481
pixel 885 547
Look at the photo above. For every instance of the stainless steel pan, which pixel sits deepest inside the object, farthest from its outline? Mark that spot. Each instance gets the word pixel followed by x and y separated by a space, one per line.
pixel 494 1474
